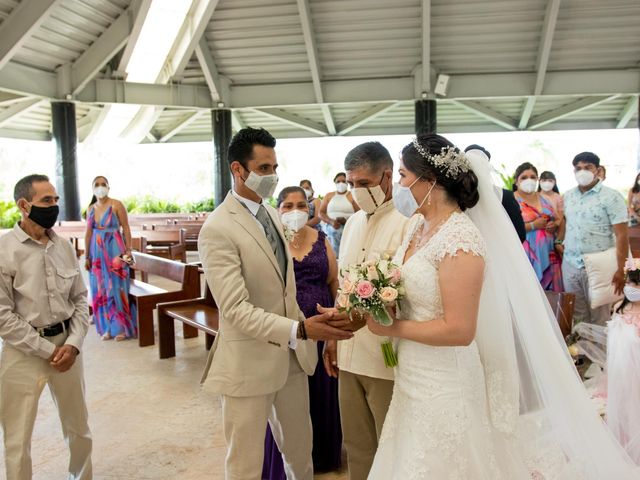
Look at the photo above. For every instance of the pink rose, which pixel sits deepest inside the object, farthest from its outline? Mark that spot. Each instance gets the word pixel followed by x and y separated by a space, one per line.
pixel 388 294
pixel 365 289
pixel 395 275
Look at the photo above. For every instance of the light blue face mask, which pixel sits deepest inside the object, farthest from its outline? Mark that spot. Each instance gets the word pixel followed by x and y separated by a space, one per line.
pixel 404 200
pixel 632 293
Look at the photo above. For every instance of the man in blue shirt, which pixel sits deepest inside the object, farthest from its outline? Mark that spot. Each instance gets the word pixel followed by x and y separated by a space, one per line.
pixel 596 220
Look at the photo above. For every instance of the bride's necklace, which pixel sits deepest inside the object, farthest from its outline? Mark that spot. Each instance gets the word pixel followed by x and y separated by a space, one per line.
pixel 419 241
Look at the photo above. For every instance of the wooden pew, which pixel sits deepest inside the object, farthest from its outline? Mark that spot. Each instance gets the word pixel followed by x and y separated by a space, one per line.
pixel 167 243
pixel 197 314
pixel 563 305
pixel 147 296
pixel 191 233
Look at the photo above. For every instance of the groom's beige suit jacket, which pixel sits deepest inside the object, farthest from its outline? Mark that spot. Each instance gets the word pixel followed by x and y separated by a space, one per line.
pixel 257 305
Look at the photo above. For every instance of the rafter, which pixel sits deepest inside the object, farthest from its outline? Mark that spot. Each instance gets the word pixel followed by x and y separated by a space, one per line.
pixel 189 36
pixel 544 50
pixel 364 117
pixel 236 121
pixel 17 109
pixel 314 63
pixel 294 120
pixel 139 8
pixel 18 27
pixel 101 51
pixel 218 85
pixel 181 124
pixel 627 113
pixel 569 109
pixel 487 113
pixel 10 99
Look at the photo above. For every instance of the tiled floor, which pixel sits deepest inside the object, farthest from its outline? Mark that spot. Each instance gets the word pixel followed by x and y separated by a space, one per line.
pixel 149 417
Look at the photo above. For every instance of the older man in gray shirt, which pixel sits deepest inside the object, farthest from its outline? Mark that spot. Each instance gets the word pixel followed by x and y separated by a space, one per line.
pixel 44 318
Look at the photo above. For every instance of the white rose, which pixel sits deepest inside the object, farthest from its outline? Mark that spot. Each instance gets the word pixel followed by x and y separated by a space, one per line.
pixel 388 294
pixel 343 301
pixel 383 266
pixel 372 273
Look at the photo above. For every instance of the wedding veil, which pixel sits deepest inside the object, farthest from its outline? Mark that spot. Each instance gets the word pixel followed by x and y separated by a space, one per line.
pixel 536 397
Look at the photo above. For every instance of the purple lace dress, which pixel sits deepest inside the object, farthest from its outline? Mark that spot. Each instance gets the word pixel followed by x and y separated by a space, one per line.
pixel 311 283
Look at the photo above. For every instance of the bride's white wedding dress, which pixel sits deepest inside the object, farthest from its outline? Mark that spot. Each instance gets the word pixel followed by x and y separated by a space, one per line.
pixel 438 424
pixel 510 405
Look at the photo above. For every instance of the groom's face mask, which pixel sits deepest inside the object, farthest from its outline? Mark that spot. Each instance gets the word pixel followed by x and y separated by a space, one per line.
pixel 259 175
pixel 369 189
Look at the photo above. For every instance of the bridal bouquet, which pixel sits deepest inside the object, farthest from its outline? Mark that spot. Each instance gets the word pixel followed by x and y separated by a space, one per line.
pixel 372 287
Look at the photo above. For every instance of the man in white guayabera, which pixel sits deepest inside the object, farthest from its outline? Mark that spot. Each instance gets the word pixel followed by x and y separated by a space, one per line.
pixel 365 383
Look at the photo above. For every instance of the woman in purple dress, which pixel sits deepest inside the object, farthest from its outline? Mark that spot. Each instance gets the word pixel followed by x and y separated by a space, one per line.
pixel 316 272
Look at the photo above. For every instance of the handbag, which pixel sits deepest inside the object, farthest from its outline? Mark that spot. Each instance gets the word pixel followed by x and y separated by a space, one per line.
pixel 600 267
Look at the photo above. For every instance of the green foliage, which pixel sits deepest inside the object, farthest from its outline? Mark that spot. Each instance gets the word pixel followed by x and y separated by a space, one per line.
pixel 273 202
pixel 9 214
pixel 148 204
pixel 507 180
pixel 204 205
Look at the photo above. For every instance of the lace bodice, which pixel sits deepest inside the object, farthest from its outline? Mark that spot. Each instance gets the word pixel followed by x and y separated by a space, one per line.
pixel 420 272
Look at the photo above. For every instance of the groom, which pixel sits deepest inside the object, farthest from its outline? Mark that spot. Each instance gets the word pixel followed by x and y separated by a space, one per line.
pixel 262 354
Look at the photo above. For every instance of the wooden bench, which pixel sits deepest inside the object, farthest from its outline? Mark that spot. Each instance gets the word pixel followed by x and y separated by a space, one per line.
pixel 563 305
pixel 191 233
pixel 168 243
pixel 197 314
pixel 147 296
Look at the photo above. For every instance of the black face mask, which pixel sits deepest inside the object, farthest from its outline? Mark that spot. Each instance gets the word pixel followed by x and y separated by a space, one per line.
pixel 44 216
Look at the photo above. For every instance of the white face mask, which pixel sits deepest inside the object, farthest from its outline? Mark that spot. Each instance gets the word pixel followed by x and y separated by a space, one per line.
pixel 308 193
pixel 341 187
pixel 547 185
pixel 584 177
pixel 632 293
pixel 101 192
pixel 263 185
pixel 528 185
pixel 295 219
pixel 404 200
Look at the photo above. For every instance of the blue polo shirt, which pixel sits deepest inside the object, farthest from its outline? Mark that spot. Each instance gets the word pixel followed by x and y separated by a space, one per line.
pixel 590 220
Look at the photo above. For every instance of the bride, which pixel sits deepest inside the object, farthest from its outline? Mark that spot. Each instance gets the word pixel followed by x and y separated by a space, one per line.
pixel 485 388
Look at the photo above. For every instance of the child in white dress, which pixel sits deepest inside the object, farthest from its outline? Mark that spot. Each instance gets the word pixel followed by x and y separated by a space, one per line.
pixel 623 365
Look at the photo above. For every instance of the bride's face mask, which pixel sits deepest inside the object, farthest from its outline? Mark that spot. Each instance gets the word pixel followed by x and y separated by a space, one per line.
pixel 403 198
pixel 632 292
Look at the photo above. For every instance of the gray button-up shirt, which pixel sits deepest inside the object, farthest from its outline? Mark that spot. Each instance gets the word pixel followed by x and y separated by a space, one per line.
pixel 40 285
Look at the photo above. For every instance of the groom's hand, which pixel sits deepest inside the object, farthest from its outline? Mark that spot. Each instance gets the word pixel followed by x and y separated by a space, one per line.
pixel 343 321
pixel 318 328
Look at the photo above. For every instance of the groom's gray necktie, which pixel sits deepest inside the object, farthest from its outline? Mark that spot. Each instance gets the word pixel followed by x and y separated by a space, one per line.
pixel 275 241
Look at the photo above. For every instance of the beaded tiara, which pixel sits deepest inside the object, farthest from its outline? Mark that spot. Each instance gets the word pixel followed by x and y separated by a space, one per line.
pixel 450 159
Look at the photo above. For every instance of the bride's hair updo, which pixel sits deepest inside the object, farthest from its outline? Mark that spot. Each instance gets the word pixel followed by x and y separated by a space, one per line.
pixel 457 178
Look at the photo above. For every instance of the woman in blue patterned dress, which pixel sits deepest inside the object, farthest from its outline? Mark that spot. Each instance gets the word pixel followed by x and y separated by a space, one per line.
pixel 108 253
